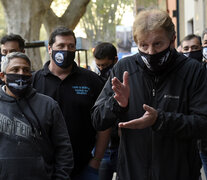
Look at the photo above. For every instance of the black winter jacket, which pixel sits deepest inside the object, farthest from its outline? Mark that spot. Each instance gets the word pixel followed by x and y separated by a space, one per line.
pixel 34 142
pixel 168 150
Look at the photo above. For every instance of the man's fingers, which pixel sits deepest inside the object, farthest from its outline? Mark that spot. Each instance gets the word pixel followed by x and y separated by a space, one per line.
pixel 148 108
pixel 126 78
pixel 133 124
pixel 130 124
pixel 115 81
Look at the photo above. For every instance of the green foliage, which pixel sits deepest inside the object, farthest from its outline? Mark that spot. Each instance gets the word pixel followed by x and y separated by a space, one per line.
pixel 2 21
pixel 149 3
pixel 101 19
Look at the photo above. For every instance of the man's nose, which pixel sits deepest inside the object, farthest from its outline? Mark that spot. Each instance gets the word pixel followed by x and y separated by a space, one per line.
pixel 21 71
pixel 151 50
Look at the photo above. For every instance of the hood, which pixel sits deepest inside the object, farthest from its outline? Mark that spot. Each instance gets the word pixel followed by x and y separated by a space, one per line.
pixel 5 97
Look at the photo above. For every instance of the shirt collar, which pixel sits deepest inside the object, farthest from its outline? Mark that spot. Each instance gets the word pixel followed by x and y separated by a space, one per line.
pixel 47 71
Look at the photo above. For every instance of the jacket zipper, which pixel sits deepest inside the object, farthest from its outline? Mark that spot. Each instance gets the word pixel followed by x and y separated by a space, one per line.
pixel 154 104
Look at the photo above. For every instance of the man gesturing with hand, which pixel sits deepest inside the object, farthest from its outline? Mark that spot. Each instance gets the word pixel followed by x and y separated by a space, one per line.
pixel 159 98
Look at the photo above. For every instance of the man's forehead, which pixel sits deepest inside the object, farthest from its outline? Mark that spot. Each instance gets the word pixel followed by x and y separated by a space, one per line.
pixel 10 45
pixel 191 42
pixel 205 37
pixel 64 37
pixel 16 61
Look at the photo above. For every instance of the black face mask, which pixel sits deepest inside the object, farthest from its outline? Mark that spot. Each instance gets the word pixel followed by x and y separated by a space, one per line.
pixel 63 58
pixel 105 73
pixel 156 62
pixel 18 83
pixel 205 52
pixel 195 55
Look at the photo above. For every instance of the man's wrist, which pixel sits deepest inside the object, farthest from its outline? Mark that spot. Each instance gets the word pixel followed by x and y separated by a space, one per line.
pixel 97 159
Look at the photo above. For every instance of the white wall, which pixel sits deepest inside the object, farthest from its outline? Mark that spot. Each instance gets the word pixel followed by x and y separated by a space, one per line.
pixel 194 15
pixel 199 24
pixel 189 16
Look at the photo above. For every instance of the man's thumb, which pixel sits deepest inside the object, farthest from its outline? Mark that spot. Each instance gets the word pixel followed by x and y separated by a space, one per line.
pixel 147 108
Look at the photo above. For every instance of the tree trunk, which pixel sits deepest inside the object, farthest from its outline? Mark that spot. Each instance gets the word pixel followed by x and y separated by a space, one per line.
pixel 24 17
pixel 70 18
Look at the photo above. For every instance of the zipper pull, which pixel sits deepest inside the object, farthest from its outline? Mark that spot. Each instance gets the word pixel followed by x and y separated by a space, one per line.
pixel 153 92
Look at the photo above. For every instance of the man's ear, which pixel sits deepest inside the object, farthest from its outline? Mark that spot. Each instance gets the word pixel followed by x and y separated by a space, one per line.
pixel 49 49
pixel 116 59
pixel 2 76
pixel 172 43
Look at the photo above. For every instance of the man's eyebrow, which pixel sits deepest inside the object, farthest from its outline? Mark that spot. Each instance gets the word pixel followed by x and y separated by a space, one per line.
pixel 195 46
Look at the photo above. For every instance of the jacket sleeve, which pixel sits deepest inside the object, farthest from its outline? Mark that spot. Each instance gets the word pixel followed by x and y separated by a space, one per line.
pixel 192 124
pixel 106 110
pixel 62 147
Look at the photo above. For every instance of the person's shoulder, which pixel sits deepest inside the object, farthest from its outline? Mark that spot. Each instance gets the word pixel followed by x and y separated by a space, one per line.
pixel 193 64
pixel 129 63
pixel 41 71
pixel 90 76
pixel 37 73
pixel 87 73
pixel 129 59
pixel 45 99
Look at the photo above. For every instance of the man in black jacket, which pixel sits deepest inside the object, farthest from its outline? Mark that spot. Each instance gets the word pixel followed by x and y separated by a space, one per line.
pixel 159 96
pixel 34 142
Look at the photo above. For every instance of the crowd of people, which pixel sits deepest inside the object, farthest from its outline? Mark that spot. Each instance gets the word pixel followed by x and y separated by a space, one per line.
pixel 143 116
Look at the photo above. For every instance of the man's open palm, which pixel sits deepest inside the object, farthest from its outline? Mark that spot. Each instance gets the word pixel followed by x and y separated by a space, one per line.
pixel 121 90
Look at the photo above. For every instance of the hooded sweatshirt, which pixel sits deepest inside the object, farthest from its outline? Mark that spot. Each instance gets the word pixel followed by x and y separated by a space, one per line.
pixel 34 143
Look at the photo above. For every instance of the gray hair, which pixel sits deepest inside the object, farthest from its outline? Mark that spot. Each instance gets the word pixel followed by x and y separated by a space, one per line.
pixel 149 20
pixel 10 56
pixel 204 32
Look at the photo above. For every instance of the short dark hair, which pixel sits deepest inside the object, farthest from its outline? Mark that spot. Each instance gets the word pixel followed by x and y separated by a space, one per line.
pixel 105 50
pixel 191 36
pixel 14 37
pixel 60 31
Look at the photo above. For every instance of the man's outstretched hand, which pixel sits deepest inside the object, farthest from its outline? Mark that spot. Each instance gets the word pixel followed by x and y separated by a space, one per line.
pixel 148 119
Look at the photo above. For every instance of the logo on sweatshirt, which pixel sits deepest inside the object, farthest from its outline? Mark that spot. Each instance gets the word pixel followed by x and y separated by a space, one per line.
pixel 14 127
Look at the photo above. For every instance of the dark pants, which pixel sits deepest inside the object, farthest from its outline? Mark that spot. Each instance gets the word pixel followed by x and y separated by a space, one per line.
pixel 108 165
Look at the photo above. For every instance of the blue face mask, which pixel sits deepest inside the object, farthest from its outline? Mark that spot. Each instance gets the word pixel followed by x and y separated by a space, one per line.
pixel 195 55
pixel 63 58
